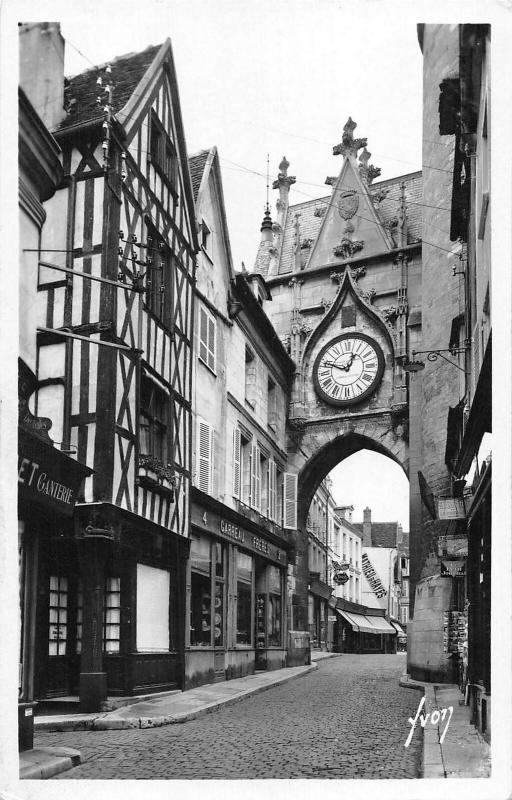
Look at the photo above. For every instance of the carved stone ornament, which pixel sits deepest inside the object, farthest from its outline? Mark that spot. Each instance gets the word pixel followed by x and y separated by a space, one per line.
pixel 348 203
pixel 369 296
pixel 349 145
pixel 297 423
pixel 306 244
pixel 373 172
pixel 360 272
pixel 319 211
pixel 325 303
pixel 337 276
pixel 272 251
pixel 379 196
pixel 390 313
pixel 348 248
pixel 330 180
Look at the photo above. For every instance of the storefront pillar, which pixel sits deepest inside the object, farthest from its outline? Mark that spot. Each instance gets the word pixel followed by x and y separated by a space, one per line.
pixel 92 552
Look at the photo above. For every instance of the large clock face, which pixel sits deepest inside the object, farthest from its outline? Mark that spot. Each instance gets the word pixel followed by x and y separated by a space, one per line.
pixel 348 369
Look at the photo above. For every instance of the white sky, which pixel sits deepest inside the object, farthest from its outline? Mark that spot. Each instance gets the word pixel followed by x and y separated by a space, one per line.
pixel 281 78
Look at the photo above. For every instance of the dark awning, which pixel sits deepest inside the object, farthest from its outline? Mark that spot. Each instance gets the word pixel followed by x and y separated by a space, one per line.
pixel 320 589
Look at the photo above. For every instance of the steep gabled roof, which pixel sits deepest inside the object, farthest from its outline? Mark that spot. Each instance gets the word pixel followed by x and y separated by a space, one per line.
pixel 312 213
pixel 196 164
pixel 81 91
pixel 384 534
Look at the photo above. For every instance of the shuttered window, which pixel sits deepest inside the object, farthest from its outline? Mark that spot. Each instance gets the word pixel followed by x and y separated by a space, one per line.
pixel 255 477
pixel 205 456
pixel 207 336
pixel 272 490
pixel 236 463
pixel 289 500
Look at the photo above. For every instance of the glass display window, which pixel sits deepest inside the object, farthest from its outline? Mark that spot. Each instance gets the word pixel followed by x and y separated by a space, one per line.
pixel 244 574
pixel 207 592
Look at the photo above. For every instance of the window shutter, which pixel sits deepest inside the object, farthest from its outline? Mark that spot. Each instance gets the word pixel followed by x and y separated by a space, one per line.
pixel 203 335
pixel 272 490
pixel 236 462
pixel 213 463
pixel 255 477
pixel 211 343
pixel 204 450
pixel 289 500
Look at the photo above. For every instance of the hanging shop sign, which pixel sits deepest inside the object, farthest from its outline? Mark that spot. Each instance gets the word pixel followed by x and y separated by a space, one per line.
pixel 46 476
pixel 226 529
pixel 340 578
pixel 451 508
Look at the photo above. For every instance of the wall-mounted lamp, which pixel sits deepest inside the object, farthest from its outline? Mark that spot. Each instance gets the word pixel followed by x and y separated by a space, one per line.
pixel 432 355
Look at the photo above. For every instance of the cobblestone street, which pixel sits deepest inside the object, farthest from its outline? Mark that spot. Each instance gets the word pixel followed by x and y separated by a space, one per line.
pixel 348 719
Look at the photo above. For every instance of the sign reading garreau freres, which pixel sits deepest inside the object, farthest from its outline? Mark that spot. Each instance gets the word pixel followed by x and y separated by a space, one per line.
pixel 213 523
pixel 46 476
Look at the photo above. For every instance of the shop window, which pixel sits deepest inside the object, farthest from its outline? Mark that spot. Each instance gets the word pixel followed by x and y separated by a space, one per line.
pixel 58 616
pixel 207 338
pixel 153 421
pixel 244 572
pixel 275 607
pixel 152 614
pixel 158 276
pixel 207 618
pixel 112 616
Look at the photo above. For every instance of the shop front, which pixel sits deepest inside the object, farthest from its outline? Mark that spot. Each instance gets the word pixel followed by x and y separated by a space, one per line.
pixel 363 630
pixel 110 608
pixel 236 607
pixel 48 485
pixel 319 595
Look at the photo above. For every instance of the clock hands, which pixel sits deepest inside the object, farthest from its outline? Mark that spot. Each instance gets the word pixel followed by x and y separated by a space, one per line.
pixel 345 367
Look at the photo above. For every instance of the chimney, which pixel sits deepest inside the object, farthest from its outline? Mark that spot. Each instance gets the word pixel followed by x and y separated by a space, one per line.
pixel 42 69
pixel 367 527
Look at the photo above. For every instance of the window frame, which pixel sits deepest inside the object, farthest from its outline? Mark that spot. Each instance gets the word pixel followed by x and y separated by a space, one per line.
pixel 209 359
pixel 162 153
pixel 158 429
pixel 158 302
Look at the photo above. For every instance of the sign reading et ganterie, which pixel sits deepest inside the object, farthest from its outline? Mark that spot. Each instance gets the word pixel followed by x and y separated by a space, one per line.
pixel 213 523
pixel 47 476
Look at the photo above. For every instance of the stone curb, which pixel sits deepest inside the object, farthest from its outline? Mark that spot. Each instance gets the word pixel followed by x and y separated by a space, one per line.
pixel 432 760
pixel 107 721
pixel 48 762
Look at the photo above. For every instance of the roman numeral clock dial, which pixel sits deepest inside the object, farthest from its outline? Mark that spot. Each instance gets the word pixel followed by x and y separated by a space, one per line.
pixel 348 369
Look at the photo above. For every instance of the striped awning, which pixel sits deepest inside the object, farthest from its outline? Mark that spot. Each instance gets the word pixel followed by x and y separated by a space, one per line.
pixel 380 625
pixel 398 628
pixel 365 623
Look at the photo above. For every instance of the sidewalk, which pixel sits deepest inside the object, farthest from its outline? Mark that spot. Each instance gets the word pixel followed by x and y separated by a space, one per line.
pixel 463 753
pixel 150 713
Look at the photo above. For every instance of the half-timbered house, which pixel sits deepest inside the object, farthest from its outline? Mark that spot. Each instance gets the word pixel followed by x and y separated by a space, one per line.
pixel 115 282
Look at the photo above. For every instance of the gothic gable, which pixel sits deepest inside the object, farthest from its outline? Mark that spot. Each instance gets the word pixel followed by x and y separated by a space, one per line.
pixel 350 227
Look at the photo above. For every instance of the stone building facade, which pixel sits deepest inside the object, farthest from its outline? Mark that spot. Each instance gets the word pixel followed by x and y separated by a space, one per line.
pixel 344 273
pixel 451 626
pixel 243 498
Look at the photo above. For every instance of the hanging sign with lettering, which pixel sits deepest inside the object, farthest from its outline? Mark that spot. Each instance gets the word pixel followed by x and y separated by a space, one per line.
pixel 46 476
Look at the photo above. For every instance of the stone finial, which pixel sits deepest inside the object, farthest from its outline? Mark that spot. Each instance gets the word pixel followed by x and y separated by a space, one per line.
pixel 330 180
pixel 367 171
pixel 349 146
pixel 283 179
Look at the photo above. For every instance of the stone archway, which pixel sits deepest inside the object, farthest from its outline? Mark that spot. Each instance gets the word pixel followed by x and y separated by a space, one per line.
pixel 314 449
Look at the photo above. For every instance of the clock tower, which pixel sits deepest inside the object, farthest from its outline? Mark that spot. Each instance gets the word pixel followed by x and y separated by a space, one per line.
pixel 344 272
